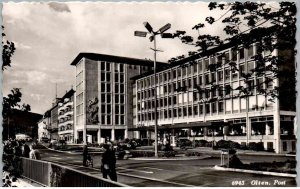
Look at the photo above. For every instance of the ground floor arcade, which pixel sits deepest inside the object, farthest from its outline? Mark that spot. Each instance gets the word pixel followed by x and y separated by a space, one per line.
pixel 279 136
pixel 100 135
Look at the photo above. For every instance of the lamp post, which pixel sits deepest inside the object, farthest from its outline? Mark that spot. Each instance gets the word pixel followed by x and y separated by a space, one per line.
pixel 152 37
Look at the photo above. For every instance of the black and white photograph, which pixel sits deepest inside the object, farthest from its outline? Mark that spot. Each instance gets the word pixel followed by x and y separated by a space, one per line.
pixel 149 94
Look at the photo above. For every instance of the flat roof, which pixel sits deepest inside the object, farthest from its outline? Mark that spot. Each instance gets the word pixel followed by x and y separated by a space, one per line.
pixel 117 59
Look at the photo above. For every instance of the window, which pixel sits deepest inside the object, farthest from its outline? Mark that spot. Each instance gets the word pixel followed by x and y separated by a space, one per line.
pixel 195 109
pixel 213 77
pixel 220 76
pixel 102 97
pixel 214 107
pixel 121 67
pixel 207 79
pixel 121 78
pixel 175 112
pixel 205 64
pixel 234 55
pixel 122 88
pixel 259 84
pixel 221 91
pixel 117 119
pixel 227 74
pixel 221 106
pixel 108 98
pixel 242 53
pixel 108 89
pixel 226 56
pixel 103 66
pixel 102 76
pixel 122 100
pixel 250 52
pixel 190 112
pixel 109 109
pixel 200 65
pixel 102 87
pixel 284 146
pixel 103 109
pixel 117 108
pixel 184 111
pixel 107 66
pixel 227 89
pixel 108 77
pixel 122 120
pixel 207 108
pixel 116 77
pixel 242 69
pixel 108 119
pixel 103 119
pixel 184 72
pixel 195 66
pixel 117 89
pixel 174 74
pixel 122 109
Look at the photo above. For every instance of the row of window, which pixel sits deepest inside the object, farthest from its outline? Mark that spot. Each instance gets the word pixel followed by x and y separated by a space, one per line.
pixel 107 119
pixel 118 88
pixel 118 78
pixel 107 109
pixel 200 109
pixel 253 85
pixel 205 79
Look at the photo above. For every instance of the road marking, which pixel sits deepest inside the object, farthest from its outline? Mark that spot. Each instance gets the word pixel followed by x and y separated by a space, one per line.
pixel 158 180
pixel 154 168
pixel 148 172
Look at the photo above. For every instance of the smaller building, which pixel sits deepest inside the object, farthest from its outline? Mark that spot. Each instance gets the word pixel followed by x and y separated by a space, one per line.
pixel 66 118
pixel 44 126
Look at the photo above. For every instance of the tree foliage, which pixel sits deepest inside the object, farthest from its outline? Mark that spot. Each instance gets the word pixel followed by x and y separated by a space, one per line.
pixel 7 51
pixel 12 101
pixel 246 23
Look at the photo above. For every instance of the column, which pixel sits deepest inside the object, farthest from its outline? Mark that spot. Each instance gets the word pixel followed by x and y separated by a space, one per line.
pixel 112 138
pixel 99 136
pixel 267 129
pixel 225 132
pixel 249 130
pixel 125 133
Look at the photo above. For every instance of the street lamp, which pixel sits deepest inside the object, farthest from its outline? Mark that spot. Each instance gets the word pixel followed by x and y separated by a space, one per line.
pixel 153 38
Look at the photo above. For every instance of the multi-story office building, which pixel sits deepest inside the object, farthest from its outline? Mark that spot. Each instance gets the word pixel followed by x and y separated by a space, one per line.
pixel 65 117
pixel 214 113
pixel 103 98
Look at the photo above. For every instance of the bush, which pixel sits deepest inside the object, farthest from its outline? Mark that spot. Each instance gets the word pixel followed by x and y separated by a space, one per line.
pixel 189 153
pixel 201 143
pixel 227 144
pixel 256 146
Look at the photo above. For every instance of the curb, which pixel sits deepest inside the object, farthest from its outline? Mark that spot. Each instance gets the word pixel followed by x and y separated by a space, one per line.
pixel 166 159
pixel 255 172
pixel 75 153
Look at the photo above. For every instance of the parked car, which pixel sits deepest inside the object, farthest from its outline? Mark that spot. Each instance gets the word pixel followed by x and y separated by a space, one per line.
pixel 23 137
pixel 44 139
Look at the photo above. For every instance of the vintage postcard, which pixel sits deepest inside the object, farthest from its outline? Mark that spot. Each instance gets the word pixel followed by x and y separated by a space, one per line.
pixel 144 94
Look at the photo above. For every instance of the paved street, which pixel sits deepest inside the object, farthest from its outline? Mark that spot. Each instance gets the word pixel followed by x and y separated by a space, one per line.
pixel 175 172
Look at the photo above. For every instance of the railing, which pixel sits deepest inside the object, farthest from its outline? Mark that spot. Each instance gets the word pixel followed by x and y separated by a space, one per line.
pixel 55 175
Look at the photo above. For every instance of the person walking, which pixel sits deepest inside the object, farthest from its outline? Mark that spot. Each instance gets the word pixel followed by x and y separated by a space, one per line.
pixel 26 150
pixel 108 166
pixel 85 154
pixel 34 153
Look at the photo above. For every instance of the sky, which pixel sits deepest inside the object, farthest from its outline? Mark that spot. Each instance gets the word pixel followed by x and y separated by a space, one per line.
pixel 48 36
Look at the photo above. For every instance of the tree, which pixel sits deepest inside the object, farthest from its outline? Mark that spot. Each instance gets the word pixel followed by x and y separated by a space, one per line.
pixel 11 102
pixel 7 51
pixel 246 23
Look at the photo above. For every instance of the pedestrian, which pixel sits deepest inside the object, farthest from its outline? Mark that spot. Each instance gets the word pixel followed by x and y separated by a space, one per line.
pixel 85 154
pixel 26 150
pixel 34 153
pixel 108 166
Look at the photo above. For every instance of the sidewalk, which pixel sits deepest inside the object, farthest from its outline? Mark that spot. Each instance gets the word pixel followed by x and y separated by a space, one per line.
pixel 246 152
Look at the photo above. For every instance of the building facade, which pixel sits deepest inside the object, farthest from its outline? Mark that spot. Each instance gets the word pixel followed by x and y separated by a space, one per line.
pixel 43 126
pixel 103 98
pixel 214 113
pixel 66 118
